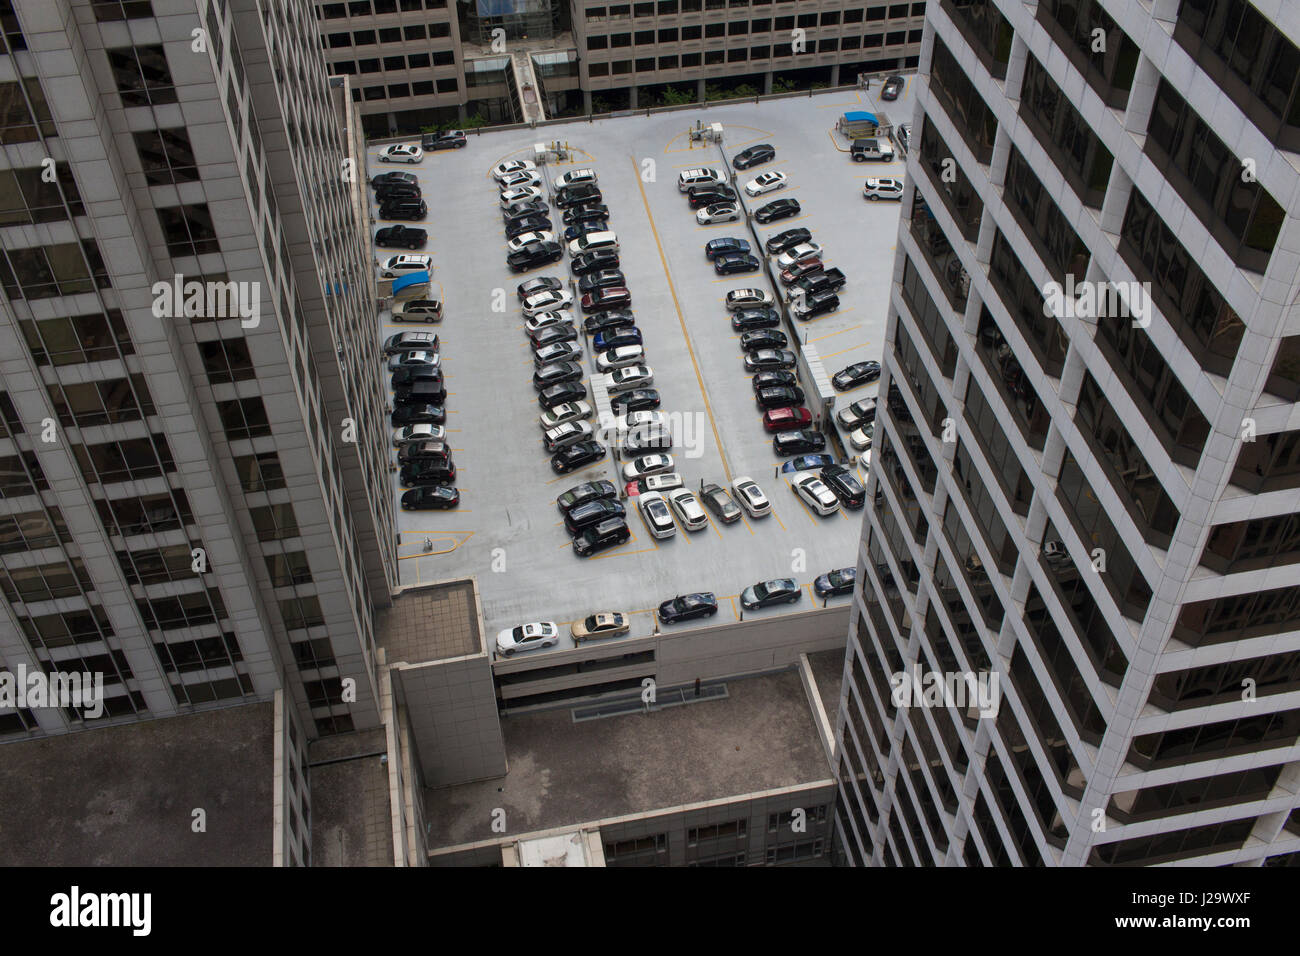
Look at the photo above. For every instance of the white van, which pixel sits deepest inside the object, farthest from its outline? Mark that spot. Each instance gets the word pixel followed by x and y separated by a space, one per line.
pixel 699 177
pixel 592 241
pixel 575 177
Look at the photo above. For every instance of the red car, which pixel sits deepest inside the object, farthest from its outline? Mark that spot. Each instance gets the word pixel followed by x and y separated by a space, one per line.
pixel 614 297
pixel 800 269
pixel 785 419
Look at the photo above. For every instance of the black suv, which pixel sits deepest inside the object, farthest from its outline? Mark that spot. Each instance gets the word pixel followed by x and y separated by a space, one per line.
pixel 411 210
pixel 840 480
pixel 817 303
pixel 607 534
pixel 781 396
pixel 579 195
pixel 754 156
pixel 592 512
pixel 559 394
pixel 799 442
pixel 384 179
pixel 701 196
pixel 390 191
pixel 586 262
pixel 416 474
pixel 533 255
pixel 401 237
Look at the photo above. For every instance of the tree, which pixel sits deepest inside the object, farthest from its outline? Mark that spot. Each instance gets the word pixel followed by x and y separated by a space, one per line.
pixel 744 92
pixel 782 85
pixel 674 97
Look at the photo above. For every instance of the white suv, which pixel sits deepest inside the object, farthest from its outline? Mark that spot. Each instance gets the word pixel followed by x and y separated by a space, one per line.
pixel 396 266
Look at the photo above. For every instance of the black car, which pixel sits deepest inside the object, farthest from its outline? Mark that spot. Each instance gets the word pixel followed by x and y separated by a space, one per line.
pixel 801 442
pixel 580 229
pixel 735 263
pixel 582 194
pixel 767 593
pixel 401 237
pixel 774 378
pixel 860 373
pixel 701 196
pixel 787 239
pixel 533 223
pixel 410 374
pixel 779 397
pixel 761 360
pixel 593 212
pixel 754 156
pixel 447 139
pixel 410 210
pixel 840 479
pixel 587 262
pixel 585 492
pixel 828 280
pixel 600 279
pixel 404 415
pixel 538 284
pixel 686 607
pixel 609 320
pixel 392 192
pixel 839 581
pixel 607 534
pixel 724 246
pixel 430 498
pixel 416 474
pixel 533 255
pixel 777 209
pixel 636 400
pixel 384 179
pixel 559 394
pixel 522 207
pixel 557 373
pixel 551 334
pixel 431 450
pixel 431 392
pixel 763 339
pixel 892 89
pixel 592 512
pixel 818 303
pixel 576 456
pixel 747 320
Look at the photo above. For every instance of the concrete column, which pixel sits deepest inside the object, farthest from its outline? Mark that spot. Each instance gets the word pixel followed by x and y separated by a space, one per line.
pixel 767 83
pixel 699 90
pixel 586 101
pixel 462 113
pixel 835 75
pixel 631 99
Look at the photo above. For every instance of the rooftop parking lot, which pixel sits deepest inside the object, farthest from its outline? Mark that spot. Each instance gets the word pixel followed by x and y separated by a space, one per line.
pixel 507 529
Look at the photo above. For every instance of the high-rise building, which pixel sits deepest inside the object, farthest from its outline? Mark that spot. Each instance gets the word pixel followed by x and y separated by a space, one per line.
pixel 1087 462
pixel 194 476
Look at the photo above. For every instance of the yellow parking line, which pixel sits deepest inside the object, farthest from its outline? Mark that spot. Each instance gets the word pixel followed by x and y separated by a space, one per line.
pixel 778 519
pixel 807 510
pixel 840 332
pixel 653 540
pixel 745 519
pixel 681 319
pixel 782 223
pixel 574 474
pixel 734 610
pixel 842 351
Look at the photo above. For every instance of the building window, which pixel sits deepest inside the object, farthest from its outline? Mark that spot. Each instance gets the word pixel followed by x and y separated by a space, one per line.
pixel 56 270
pixel 244 418
pixel 969 113
pixel 142 75
pixel 19 122
pixel 188 230
pixel 26 197
pixel 1073 24
pixel 77 339
pixel 990 34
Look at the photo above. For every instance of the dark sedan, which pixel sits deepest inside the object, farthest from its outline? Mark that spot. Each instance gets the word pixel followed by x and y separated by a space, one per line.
pixel 401 237
pixel 754 156
pixel 763 339
pixel 557 373
pixel 777 209
pixel 601 279
pixel 616 338
pixel 761 359
pixel 610 319
pixel 773 379
pixel 735 264
pixel 577 456
pixel 801 442
pixel 892 89
pixel 686 607
pixel 747 320
pixel 418 415
pixel 587 262
pixel 532 256
pixel 585 492
pixel 429 498
pixel 767 593
pixel 637 400
pixel 596 212
pixel 717 500
pixel 832 583
pixel 727 245
pixel 786 240
pixel 860 373
pixel 580 229
pixel 559 394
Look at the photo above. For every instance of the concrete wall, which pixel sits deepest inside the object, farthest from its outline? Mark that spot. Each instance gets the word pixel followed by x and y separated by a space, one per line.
pixel 452 711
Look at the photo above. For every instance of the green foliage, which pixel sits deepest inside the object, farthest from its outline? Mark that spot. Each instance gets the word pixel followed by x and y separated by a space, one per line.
pixel 675 97
pixel 781 85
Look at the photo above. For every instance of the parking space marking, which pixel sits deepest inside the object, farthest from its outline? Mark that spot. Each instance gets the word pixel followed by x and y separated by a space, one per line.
pixel 829 315
pixel 734 610
pixel 842 351
pixel 681 319
pixel 799 497
pixel 575 474
pixel 840 332
pixel 653 539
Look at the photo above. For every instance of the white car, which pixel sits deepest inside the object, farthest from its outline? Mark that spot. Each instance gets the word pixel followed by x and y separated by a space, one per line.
pixel 528 238
pixel 860 438
pixel 519 194
pixel 576 177
pixel 501 170
pixel 738 299
pixel 395 266
pixel 570 433
pixel 568 412
pixel 544 320
pixel 654 511
pixel 642 419
pixel 401 153
pixel 548 301
pixel 688 509
pixel 633 376
pixel 525 177
pixel 887 187
pixel 718 212
pixel 750 496
pixel 766 183
pixel 526 637
pixel 418 310
pixel 647 465
pixel 593 241
pixel 664 481
pixel 557 352
pixel 805 250
pixel 414 433
pixel 620 358
pixel 815 493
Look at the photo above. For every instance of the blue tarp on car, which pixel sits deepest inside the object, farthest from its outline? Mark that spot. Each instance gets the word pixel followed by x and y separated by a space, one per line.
pixel 406 281
pixel 861 117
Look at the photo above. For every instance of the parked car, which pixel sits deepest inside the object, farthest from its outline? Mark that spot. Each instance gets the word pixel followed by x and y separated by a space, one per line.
pixel 547 300
pixel 690 178
pixel 647 465
pixel 766 183
pixel 807 463
pixel 411 342
pixel 396 266
pixel 594 261
pixel 754 156
pixel 580 229
pixel 687 508
pixel 418 433
pixel 576 177
pixel 767 593
pixel 892 89
pixel 429 471
pixel 804 250
pixel 534 324
pixel 786 419
pixel 592 513
pixel 875 148
pixel 717 500
pixel 587 491
pixel 800 269
pixel 522 179
pixel 401 237
pixel 389 192
pixel 525 207
pixel 425 392
pixel 616 338
pixel 601 279
pixel 749 320
pixel 593 212
pixel 777 209
pixel 799 442
pixel 409 210
pixel 611 297
pixel 833 583
pixel 401 153
pixel 620 358
pixel 815 304
pixel 738 299
pixel 501 170
pixel 663 482
pixel 599 626
pixel 559 394
pixel 631 377
pixel 580 195
pixel 845 486
pixel 859 373
pixel 557 352
pixel 607 534
pixel 735 264
pixel 389 179
pixel 527 637
pixel 825 280
pixel 727 245
pixel 430 498
pixel 609 320
pixel 530 257
pixel 568 412
pixel 447 139
pixel 857 414
pixel 417 310
pixel 593 241
pixel 518 194
pixel 424 450
pixel 551 334
pixel 653 438
pixel 687 607
pixel 786 240
pixel 533 223
pixel 814 493
pixel 760 359
pixel 577 456
pixel 530 287
pixel 404 415
pixel 763 339
pixel 750 496
pixel 525 239
pixel 703 196
pixel 414 359
pixel 656 515
pixel 860 438
pixel 776 378
pixel 636 399
pixel 718 212
pixel 780 396
pixel 556 374
pixel 886 187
